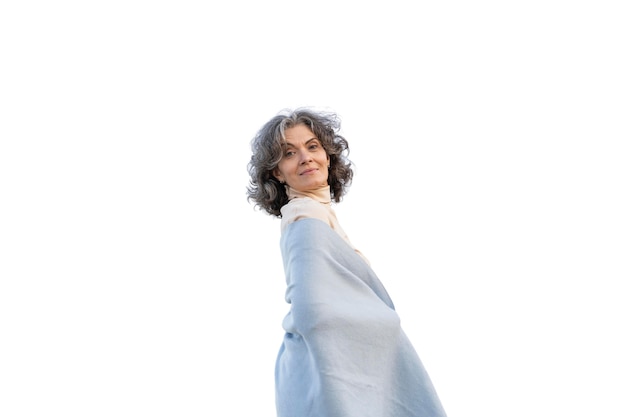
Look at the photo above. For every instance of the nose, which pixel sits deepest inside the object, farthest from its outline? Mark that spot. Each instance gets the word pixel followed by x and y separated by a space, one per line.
pixel 305 156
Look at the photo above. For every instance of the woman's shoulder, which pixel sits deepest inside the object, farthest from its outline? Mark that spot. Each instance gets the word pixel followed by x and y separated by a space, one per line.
pixel 303 208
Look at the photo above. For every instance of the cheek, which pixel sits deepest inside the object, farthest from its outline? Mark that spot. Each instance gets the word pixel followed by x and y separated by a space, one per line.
pixel 285 167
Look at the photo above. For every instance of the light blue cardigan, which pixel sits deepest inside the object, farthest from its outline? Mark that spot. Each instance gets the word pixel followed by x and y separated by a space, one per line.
pixel 344 353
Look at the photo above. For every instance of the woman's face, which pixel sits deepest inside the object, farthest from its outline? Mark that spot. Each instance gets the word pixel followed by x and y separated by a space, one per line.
pixel 304 165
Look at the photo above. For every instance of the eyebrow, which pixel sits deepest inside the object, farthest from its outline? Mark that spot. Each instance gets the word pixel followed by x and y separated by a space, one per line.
pixel 306 143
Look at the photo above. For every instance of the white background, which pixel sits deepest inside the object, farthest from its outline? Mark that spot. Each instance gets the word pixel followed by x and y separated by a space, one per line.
pixel 489 195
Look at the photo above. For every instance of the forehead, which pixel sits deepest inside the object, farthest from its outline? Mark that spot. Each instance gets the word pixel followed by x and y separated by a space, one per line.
pixel 298 134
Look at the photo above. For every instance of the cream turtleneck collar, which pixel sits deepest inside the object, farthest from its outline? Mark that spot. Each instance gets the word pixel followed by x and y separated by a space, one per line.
pixel 321 194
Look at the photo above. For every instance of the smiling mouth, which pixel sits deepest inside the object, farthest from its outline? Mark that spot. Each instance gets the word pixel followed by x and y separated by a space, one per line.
pixel 308 171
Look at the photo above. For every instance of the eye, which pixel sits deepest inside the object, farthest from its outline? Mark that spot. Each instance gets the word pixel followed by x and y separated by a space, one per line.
pixel 314 146
pixel 289 153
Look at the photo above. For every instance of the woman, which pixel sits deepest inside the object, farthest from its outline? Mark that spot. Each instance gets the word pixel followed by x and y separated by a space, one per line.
pixel 344 353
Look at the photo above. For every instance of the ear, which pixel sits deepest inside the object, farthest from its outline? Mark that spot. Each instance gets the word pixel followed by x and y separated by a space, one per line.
pixel 276 173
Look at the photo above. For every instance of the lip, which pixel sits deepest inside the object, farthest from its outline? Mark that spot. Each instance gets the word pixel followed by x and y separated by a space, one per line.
pixel 308 171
